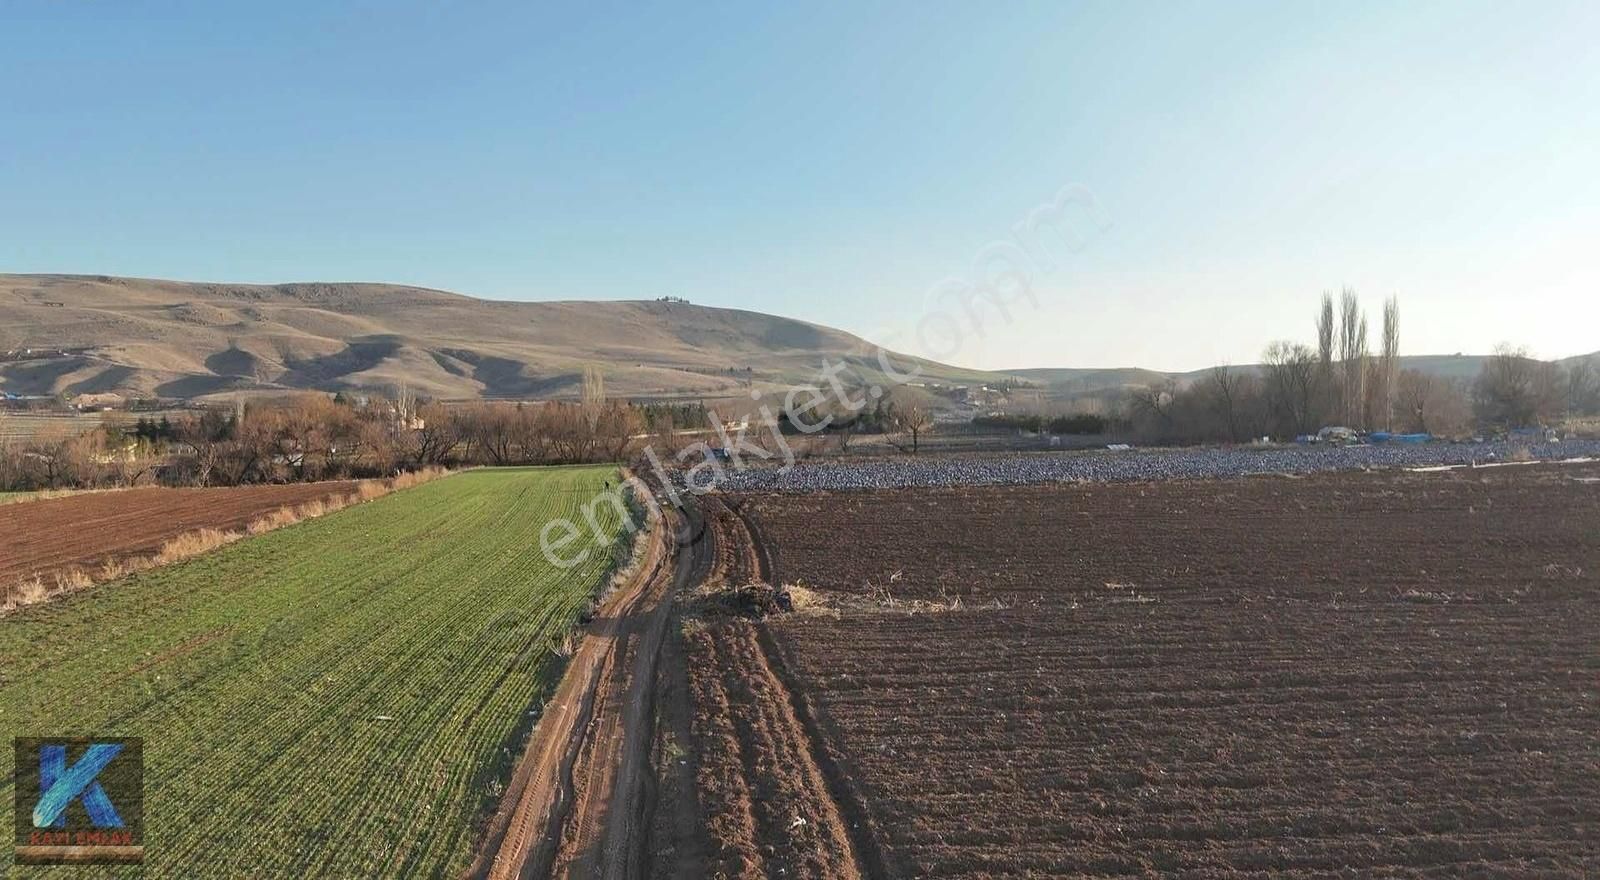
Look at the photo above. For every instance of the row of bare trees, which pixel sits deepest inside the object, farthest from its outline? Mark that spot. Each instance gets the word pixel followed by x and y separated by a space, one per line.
pixel 1299 388
pixel 318 437
pixel 1235 404
pixel 56 460
pixel 1352 385
pixel 539 433
pixel 1516 390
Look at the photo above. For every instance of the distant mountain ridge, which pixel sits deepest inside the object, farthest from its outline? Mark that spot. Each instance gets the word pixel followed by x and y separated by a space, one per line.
pixel 186 340
pixel 153 338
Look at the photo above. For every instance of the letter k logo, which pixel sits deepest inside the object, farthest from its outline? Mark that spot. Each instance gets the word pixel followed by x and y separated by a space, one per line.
pixel 60 786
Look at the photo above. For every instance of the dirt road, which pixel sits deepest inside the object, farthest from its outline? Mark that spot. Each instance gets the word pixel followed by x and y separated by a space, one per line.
pixel 766 797
pixel 576 806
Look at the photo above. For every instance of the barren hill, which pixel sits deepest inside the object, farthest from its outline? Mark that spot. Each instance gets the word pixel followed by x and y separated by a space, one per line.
pixel 141 337
pixel 177 339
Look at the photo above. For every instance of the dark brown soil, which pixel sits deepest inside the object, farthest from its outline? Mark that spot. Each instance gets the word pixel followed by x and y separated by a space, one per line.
pixel 768 810
pixel 1343 675
pixel 1476 535
pixel 83 531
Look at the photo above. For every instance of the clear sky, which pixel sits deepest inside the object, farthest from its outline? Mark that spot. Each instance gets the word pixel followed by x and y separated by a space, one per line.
pixel 837 163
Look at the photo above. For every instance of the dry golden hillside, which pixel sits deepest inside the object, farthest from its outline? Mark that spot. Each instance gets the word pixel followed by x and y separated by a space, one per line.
pixel 178 339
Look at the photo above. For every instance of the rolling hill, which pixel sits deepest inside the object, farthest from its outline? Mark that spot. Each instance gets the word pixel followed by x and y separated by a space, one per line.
pixel 187 340
pixel 170 339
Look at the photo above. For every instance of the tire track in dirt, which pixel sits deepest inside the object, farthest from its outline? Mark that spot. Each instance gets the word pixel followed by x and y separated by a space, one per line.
pixel 677 838
pixel 623 854
pixel 556 768
pixel 578 805
pixel 852 815
pixel 583 800
pixel 529 825
pixel 795 814
pixel 750 537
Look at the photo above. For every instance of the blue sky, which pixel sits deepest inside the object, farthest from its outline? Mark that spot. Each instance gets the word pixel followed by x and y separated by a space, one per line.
pixel 836 163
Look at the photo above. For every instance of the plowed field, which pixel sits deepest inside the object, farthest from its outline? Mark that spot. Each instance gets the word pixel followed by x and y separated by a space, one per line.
pixel 85 530
pixel 1350 675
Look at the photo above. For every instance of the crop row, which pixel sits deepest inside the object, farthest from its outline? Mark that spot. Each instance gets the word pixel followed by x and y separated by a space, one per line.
pixel 1387 674
pixel 339 698
pixel 1120 738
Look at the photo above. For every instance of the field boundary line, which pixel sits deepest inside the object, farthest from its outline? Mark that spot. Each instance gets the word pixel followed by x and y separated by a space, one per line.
pixel 623 841
pixel 763 558
pixel 865 850
pixel 80 576
pixel 529 831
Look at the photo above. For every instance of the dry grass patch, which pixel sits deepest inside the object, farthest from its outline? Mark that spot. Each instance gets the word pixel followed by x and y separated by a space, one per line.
pixel 25 592
pixel 191 544
pixel 417 478
pixel 277 519
pixel 47 494
pixel 72 579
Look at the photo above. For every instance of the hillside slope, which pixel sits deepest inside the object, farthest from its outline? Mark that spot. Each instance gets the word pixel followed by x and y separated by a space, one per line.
pixel 141 337
pixel 178 339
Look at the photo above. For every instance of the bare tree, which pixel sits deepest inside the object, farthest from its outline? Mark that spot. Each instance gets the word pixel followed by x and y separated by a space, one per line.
pixel 311 435
pixel 381 442
pixel 1352 348
pixel 1325 333
pixel 594 395
pixel 1226 387
pixel 490 431
pixel 845 427
pixel 1327 396
pixel 1514 390
pixel 434 434
pixel 405 406
pixel 1362 370
pixel 1291 370
pixel 1583 388
pixel 1153 407
pixel 13 472
pixel 533 430
pixel 61 458
pixel 1389 361
pixel 1549 391
pixel 572 435
pixel 910 412
pixel 206 438
pixel 843 421
pixel 1414 395
pixel 1430 404
pixel 615 430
